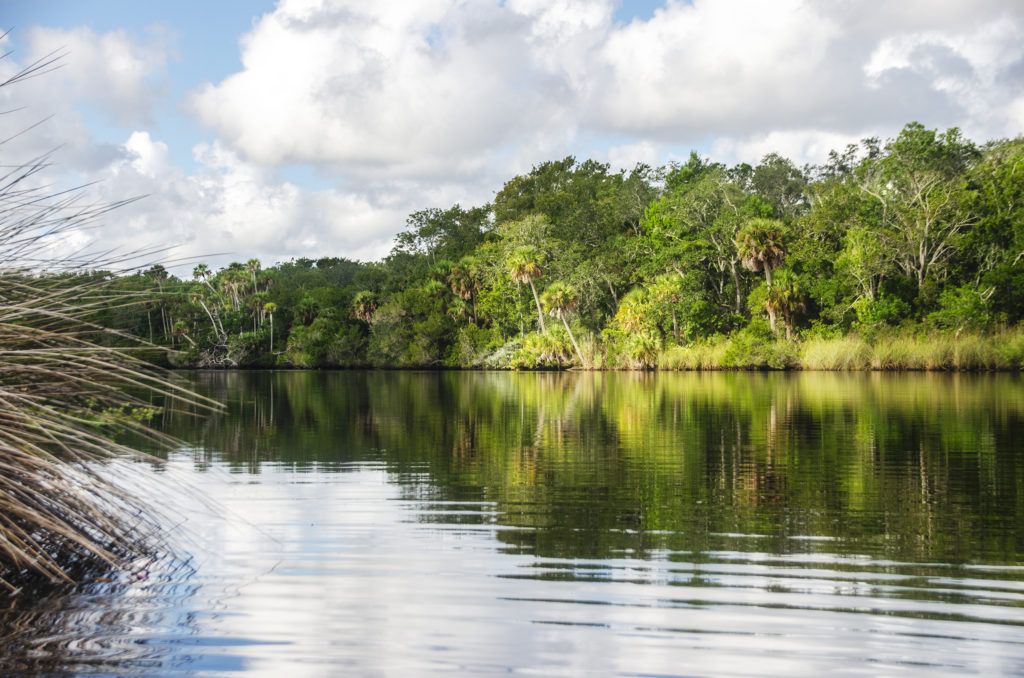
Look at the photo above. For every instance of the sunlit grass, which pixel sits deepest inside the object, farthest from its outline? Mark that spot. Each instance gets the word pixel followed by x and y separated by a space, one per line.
pixel 842 353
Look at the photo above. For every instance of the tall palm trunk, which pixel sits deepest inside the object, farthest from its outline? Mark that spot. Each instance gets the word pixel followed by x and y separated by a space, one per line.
pixel 576 346
pixel 540 313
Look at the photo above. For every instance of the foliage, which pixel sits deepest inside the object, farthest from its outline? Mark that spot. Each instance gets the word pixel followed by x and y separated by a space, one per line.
pixel 921 231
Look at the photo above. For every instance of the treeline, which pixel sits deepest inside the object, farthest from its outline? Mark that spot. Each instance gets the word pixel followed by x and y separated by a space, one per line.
pixel 915 242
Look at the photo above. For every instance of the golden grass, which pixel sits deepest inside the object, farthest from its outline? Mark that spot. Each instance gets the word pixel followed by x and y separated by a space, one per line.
pixel 842 353
pixel 894 352
pixel 705 355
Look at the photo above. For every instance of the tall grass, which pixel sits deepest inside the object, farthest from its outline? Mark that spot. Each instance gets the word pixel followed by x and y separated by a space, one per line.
pixel 703 355
pixel 897 351
pixel 62 396
pixel 841 353
pixel 945 351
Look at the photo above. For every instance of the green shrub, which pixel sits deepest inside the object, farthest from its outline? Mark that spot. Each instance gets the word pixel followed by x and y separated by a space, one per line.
pixel 551 350
pixel 755 347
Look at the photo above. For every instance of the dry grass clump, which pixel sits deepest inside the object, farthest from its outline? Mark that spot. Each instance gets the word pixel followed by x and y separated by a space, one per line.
pixel 62 396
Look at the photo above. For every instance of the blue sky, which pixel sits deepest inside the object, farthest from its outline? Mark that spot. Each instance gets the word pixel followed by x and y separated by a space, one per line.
pixel 312 127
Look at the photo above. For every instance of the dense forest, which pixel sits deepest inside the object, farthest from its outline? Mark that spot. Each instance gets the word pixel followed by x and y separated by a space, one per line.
pixel 907 253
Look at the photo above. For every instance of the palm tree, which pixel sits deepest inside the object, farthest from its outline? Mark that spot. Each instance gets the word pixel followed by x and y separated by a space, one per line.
pixel 180 330
pixel 269 309
pixel 667 290
pixel 523 266
pixel 364 305
pixel 307 310
pixel 458 310
pixel 253 266
pixel 561 301
pixel 785 298
pixel 440 270
pixel 761 245
pixel 464 278
pixel 435 288
pixel 634 309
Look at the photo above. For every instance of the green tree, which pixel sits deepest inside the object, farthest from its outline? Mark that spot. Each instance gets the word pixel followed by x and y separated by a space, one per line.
pixel 920 184
pixel 785 298
pixel 364 305
pixel 561 301
pixel 269 309
pixel 524 267
pixel 761 245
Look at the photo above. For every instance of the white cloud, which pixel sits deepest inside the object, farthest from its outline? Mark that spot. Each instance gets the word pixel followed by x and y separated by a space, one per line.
pixel 800 146
pixel 403 89
pixel 713 66
pixel 628 156
pixel 966 65
pixel 235 209
pixel 410 104
pixel 123 77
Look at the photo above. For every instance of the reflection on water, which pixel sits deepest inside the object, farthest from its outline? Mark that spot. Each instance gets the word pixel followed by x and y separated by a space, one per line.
pixel 397 523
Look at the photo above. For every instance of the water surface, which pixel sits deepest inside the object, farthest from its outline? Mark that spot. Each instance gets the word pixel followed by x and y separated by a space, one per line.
pixel 407 524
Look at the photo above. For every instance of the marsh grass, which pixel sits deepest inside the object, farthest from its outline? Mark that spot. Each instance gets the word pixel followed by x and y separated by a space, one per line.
pixel 63 398
pixel 833 354
pixel 903 351
pixel 944 351
pixel 64 395
pixel 703 355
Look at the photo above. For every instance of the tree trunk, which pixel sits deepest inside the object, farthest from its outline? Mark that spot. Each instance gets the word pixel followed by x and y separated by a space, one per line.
pixel 771 319
pixel 739 290
pixel 768 276
pixel 573 340
pixel 675 325
pixel 615 297
pixel 540 313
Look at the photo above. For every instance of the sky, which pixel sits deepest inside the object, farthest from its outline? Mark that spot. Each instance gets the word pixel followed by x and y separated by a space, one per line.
pixel 311 128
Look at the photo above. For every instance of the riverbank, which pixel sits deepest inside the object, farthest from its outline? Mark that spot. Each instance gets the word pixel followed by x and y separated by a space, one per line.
pixel 896 352
pixel 743 351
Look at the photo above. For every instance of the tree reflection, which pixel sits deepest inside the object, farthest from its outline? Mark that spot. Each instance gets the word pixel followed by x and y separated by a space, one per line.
pixel 918 467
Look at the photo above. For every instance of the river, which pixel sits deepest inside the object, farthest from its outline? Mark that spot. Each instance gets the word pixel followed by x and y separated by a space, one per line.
pixel 569 524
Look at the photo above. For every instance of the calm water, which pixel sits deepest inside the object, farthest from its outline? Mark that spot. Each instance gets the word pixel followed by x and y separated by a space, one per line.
pixel 414 524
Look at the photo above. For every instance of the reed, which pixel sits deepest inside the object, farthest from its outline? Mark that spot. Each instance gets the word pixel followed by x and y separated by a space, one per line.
pixel 944 351
pixel 839 353
pixel 703 355
pixel 63 396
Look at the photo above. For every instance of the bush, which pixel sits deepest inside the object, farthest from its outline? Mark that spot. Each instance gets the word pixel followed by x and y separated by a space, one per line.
pixel 544 351
pixel 755 347
pixel 962 308
pixel 874 314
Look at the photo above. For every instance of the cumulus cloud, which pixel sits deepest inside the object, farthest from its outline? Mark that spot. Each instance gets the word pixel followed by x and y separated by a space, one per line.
pixel 443 88
pixel 408 104
pixel 229 209
pixel 398 89
pixel 125 78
